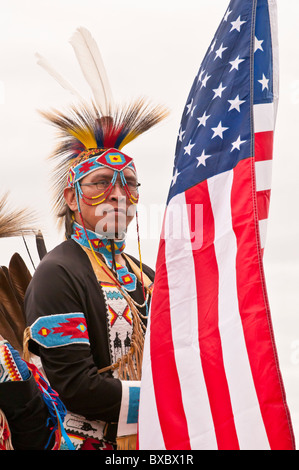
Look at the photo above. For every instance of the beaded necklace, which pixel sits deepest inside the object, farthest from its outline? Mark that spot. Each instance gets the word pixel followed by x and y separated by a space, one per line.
pixel 106 247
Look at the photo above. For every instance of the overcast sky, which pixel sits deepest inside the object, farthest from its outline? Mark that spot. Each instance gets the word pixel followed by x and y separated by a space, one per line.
pixel 153 49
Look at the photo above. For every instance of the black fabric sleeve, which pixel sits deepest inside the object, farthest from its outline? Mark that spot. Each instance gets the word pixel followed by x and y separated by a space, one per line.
pixel 71 369
pixel 27 415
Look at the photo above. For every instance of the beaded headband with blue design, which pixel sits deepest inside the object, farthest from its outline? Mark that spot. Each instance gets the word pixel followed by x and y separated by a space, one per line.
pixel 112 158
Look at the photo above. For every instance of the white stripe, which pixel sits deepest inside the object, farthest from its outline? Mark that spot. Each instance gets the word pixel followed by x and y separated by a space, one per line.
pixel 263 224
pixel 184 325
pixel 263 117
pixel 248 420
pixel 263 175
pixel 275 51
pixel 150 434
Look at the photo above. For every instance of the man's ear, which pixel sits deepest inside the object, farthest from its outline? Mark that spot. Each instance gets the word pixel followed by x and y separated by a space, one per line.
pixel 70 198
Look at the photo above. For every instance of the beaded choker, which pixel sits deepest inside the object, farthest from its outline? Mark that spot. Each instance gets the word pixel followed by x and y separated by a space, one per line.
pixel 103 246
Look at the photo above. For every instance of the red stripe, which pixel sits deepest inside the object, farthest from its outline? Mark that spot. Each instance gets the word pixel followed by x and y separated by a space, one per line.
pixel 165 377
pixel 255 314
pixel 263 146
pixel 263 203
pixel 206 273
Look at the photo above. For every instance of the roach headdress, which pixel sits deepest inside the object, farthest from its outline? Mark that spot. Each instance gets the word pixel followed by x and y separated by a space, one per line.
pixel 87 131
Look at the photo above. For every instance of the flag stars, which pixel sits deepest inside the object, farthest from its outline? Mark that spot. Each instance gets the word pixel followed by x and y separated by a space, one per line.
pixel 235 63
pixel 264 82
pixel 188 148
pixel 218 131
pixel 218 91
pixel 258 44
pixel 237 143
pixel 219 52
pixel 200 75
pixel 227 14
pixel 237 24
pixel 203 119
pixel 202 159
pixel 181 134
pixel 175 177
pixel 212 46
pixel 204 80
pixel 236 103
pixel 191 108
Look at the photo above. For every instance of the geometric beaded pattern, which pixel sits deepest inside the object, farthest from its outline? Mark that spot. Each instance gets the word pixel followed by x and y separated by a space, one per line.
pixel 8 369
pixel 119 321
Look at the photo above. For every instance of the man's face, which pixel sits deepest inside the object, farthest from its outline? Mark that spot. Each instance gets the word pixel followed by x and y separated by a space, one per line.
pixel 112 217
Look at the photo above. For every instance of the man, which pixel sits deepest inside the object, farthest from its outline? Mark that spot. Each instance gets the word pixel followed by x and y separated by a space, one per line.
pixel 87 303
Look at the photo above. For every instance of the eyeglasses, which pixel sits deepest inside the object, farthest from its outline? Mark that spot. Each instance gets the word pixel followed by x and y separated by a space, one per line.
pixel 103 185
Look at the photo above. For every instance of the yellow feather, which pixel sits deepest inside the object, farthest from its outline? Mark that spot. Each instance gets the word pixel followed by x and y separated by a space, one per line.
pixel 84 135
pixel 131 136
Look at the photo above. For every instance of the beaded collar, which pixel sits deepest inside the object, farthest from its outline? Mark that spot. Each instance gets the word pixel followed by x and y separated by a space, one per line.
pixel 103 246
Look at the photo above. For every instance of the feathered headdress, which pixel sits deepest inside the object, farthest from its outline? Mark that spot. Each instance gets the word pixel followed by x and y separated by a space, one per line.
pixel 99 125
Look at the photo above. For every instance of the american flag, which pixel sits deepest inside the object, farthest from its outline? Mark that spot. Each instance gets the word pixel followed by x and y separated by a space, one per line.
pixel 211 377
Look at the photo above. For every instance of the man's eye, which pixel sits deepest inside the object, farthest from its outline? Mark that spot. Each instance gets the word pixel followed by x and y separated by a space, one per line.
pixel 132 184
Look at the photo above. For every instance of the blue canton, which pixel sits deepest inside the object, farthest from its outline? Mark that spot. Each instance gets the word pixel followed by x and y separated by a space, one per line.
pixel 216 129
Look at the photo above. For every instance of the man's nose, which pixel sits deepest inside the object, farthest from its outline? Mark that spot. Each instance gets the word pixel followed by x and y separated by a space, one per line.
pixel 118 190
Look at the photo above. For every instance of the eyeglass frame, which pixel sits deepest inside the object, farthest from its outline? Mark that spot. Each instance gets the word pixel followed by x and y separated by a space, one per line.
pixel 120 184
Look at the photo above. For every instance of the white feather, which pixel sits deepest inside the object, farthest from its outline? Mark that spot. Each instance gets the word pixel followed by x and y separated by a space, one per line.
pixel 57 76
pixel 92 66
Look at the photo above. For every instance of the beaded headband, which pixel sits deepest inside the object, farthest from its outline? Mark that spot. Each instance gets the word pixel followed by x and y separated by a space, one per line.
pixel 95 159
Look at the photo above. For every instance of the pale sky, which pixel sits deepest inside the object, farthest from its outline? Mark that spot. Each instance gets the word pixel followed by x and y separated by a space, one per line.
pixel 151 49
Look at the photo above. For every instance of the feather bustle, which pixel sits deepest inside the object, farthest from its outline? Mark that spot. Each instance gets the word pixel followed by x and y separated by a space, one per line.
pixel 11 308
pixel 7 331
pixel 19 276
pixel 16 222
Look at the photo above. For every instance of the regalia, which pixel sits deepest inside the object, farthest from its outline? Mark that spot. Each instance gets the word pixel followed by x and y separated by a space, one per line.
pixel 92 134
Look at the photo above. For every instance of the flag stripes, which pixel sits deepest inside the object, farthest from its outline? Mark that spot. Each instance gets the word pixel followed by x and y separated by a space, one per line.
pixel 211 377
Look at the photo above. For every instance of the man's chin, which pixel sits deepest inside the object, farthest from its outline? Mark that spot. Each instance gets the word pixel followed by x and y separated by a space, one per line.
pixel 113 231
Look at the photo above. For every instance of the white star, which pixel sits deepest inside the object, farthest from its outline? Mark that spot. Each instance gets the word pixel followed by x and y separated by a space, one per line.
pixel 258 44
pixel 181 134
pixel 218 131
pixel 220 51
pixel 235 104
pixel 192 110
pixel 237 143
pixel 218 91
pixel 200 75
pixel 175 177
pixel 188 148
pixel 203 119
pixel 227 14
pixel 237 24
pixel 212 46
pixel 204 81
pixel 265 82
pixel 235 63
pixel 202 159
pixel 189 106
